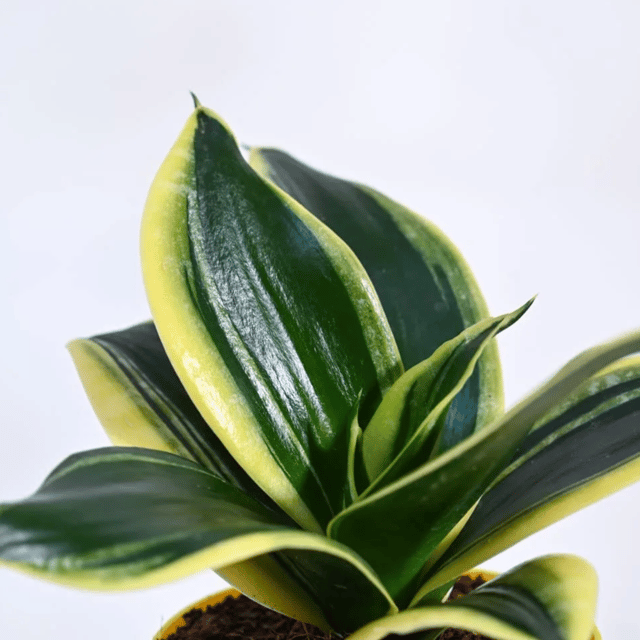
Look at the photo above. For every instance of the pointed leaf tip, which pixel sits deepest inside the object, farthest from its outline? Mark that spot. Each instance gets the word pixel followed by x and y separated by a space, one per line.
pixel 196 102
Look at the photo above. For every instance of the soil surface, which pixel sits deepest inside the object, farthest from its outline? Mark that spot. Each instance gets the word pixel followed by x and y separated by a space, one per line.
pixel 243 619
pixel 463 586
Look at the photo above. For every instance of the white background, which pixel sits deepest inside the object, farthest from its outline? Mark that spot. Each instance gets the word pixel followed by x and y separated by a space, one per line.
pixel 513 125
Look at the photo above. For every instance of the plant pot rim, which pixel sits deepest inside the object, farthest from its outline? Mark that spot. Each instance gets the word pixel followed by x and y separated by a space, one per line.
pixel 178 620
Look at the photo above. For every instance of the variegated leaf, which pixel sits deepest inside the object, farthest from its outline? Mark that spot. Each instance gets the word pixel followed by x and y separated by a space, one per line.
pixel 410 425
pixel 268 319
pixel 402 540
pixel 141 402
pixel 121 518
pixel 550 598
pixel 426 288
pixel 587 447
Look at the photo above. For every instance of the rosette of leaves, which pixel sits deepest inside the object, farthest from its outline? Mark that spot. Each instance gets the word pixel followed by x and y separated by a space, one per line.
pixel 316 413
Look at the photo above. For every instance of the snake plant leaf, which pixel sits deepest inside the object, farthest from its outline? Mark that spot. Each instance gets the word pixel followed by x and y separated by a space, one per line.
pixel 268 318
pixel 402 540
pixel 550 598
pixel 587 447
pixel 426 288
pixel 408 427
pixel 140 402
pixel 119 518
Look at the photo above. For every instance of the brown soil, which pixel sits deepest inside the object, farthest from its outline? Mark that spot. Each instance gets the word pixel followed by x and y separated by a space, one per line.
pixel 463 586
pixel 243 619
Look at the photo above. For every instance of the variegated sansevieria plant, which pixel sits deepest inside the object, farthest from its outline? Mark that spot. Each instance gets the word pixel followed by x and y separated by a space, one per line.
pixel 316 413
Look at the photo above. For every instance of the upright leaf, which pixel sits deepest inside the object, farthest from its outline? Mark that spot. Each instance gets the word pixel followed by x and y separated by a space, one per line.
pixel 409 427
pixel 267 317
pixel 426 288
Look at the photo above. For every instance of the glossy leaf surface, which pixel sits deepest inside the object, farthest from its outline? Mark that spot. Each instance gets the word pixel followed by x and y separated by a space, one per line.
pixel 426 288
pixel 587 447
pixel 141 402
pixel 550 598
pixel 409 426
pixel 267 317
pixel 401 540
pixel 119 518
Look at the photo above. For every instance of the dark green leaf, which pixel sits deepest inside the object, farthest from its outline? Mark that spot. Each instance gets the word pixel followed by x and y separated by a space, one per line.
pixel 550 598
pixel 409 426
pixel 142 403
pixel 267 317
pixel 440 492
pixel 426 288
pixel 585 448
pixel 119 518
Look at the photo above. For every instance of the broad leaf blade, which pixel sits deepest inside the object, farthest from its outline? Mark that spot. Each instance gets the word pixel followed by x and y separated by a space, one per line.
pixel 405 539
pixel 409 426
pixel 141 402
pixel 426 288
pixel 551 598
pixel 586 448
pixel 121 518
pixel 267 317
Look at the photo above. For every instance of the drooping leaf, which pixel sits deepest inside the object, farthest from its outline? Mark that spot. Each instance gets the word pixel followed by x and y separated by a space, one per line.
pixel 268 319
pixel 120 518
pixel 587 447
pixel 399 540
pixel 140 401
pixel 550 598
pixel 409 426
pixel 426 288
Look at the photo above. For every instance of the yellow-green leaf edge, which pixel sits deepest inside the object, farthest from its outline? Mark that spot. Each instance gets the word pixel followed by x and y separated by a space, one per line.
pixel 212 389
pixel 562 579
pixel 124 415
pixel 128 421
pixel 555 510
pixel 226 556
pixel 489 366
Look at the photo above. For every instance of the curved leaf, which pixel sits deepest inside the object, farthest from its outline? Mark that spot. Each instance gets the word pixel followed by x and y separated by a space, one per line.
pixel 408 427
pixel 267 317
pixel 403 540
pixel 586 448
pixel 121 518
pixel 141 402
pixel 265 580
pixel 426 288
pixel 550 598
pixel 356 474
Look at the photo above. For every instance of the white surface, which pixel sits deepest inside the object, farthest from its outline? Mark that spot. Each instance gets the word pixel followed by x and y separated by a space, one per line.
pixel 513 125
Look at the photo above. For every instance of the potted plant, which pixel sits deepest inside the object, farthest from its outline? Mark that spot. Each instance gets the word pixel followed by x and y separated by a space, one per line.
pixel 315 412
